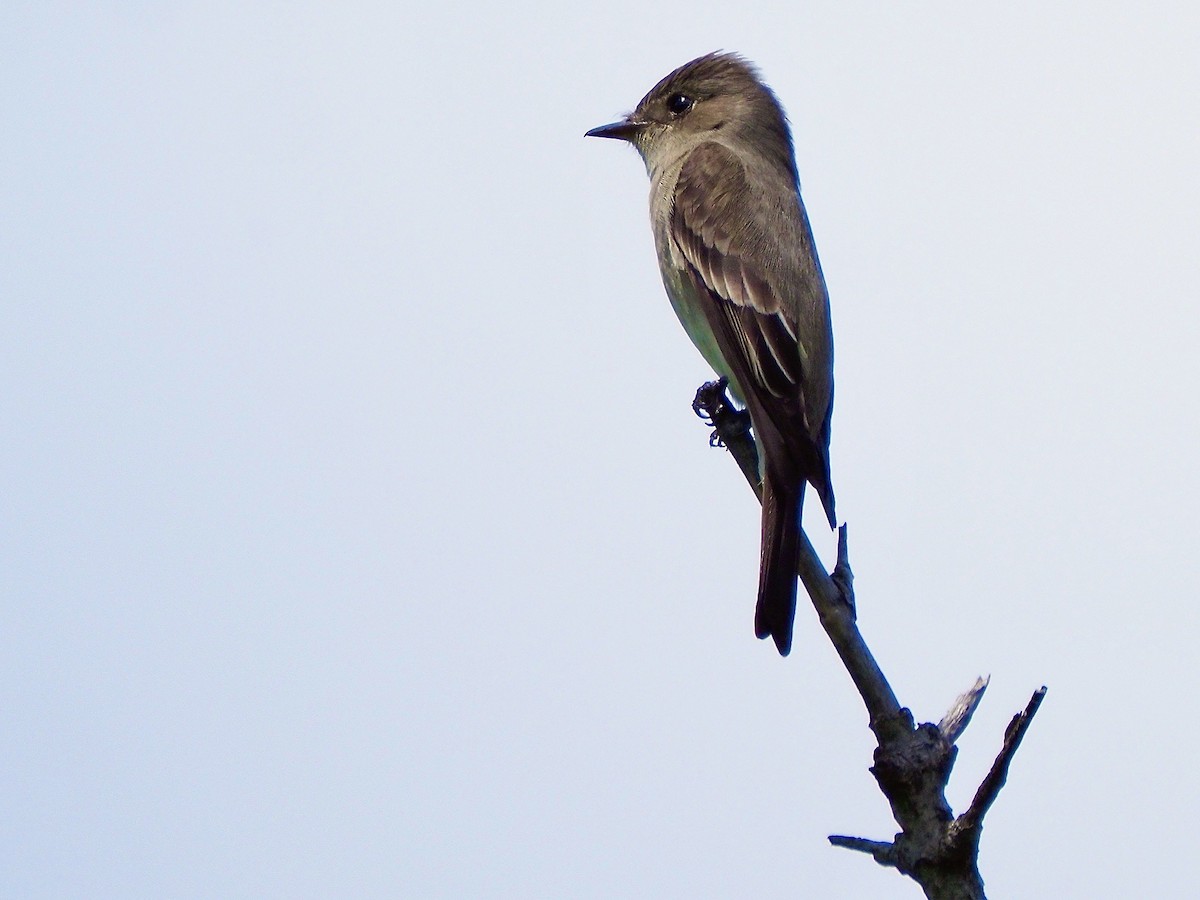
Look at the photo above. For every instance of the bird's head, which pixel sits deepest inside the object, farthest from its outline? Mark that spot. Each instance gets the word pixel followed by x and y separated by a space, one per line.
pixel 716 97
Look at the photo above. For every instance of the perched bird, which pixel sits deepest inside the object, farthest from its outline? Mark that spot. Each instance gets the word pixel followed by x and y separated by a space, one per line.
pixel 741 270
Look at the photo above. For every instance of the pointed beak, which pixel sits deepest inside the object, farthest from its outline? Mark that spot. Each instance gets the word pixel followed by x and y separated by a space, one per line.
pixel 625 130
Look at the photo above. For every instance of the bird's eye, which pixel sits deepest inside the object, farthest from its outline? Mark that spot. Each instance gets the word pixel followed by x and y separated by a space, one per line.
pixel 678 104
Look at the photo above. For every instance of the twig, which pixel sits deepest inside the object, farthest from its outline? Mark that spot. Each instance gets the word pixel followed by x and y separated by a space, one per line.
pixel 833 599
pixel 883 852
pixel 958 717
pixel 966 827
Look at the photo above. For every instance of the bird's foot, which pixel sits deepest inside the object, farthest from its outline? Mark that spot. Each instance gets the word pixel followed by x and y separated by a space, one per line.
pixel 713 406
pixel 710 397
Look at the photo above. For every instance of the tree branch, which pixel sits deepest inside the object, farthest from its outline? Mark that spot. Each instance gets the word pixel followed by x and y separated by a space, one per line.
pixel 912 762
pixel 964 834
pixel 958 717
pixel 883 852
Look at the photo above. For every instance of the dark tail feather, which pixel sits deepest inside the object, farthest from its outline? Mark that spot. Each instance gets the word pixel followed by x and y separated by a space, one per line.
pixel 777 567
pixel 825 492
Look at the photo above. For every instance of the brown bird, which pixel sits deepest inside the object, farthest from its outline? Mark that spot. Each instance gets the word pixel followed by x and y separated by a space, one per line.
pixel 741 270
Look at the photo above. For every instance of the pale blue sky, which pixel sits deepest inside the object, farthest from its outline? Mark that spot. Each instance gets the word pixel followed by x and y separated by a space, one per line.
pixel 357 538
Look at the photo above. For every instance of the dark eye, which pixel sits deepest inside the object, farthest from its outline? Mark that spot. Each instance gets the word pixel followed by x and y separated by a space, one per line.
pixel 678 104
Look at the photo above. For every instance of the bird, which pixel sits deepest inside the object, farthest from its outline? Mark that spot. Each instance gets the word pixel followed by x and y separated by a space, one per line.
pixel 740 267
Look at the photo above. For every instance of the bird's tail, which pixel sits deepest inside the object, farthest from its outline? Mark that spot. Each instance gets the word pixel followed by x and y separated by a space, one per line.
pixel 776 608
pixel 825 492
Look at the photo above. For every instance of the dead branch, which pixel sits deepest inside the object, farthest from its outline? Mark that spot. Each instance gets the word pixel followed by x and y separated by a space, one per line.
pixel 912 762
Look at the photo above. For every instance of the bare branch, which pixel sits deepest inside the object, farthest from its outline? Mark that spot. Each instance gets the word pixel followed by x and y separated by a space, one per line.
pixel 956 720
pixel 998 774
pixel 912 762
pixel 883 852
pixel 834 603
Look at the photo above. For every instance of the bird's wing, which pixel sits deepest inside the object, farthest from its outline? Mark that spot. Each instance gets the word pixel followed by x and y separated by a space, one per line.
pixel 752 259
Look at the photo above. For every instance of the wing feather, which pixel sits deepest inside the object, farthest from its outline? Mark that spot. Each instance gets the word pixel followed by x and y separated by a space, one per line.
pixel 771 305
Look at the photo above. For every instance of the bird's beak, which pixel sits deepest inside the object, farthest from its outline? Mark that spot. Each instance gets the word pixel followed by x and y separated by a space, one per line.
pixel 625 130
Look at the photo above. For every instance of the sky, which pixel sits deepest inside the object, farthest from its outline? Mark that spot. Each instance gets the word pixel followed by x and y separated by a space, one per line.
pixel 356 534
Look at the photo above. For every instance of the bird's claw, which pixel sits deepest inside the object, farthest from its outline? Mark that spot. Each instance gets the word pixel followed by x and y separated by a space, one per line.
pixel 713 407
pixel 710 399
